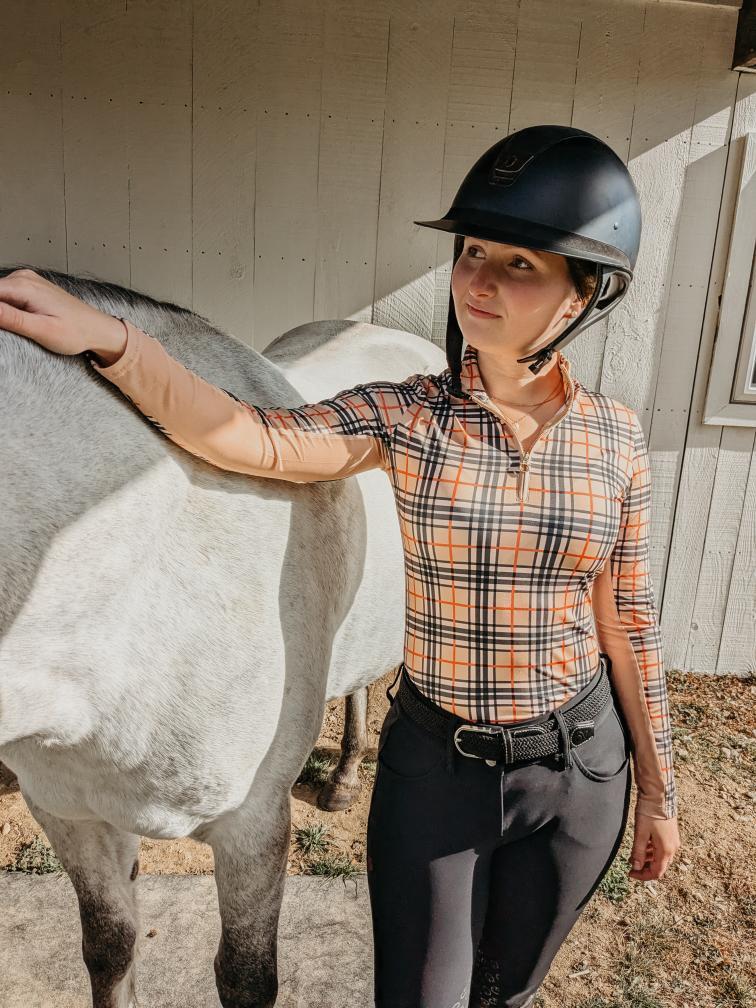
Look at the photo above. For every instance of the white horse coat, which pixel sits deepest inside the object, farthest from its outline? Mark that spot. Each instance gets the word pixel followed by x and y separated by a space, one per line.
pixel 170 632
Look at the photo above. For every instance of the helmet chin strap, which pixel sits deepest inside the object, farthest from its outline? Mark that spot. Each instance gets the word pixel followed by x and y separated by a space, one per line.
pixel 543 356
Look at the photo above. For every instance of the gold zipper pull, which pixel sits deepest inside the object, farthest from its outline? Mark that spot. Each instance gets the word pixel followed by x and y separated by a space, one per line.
pixel 523 477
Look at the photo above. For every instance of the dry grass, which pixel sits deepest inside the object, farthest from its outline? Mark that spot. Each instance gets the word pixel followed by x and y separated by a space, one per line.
pixel 686 940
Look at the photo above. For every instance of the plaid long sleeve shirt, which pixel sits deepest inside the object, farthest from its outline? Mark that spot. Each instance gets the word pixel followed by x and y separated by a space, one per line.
pixel 503 547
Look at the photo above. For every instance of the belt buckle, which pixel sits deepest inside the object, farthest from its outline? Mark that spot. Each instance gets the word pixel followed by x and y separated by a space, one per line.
pixel 486 730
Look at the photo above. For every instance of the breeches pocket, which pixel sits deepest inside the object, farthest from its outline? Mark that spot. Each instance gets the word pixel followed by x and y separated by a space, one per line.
pixel 604 756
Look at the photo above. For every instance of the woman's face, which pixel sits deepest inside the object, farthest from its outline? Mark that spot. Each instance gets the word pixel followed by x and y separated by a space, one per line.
pixel 527 292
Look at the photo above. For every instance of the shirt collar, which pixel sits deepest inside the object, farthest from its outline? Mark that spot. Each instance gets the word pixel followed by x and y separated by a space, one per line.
pixel 472 382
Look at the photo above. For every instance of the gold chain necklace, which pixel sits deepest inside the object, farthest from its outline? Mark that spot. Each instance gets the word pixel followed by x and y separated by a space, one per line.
pixel 516 423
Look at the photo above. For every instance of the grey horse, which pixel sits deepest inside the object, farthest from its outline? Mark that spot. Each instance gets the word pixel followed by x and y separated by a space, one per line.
pixel 170 632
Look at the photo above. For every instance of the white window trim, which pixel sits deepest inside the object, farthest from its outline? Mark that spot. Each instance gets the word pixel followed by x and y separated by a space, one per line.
pixel 731 397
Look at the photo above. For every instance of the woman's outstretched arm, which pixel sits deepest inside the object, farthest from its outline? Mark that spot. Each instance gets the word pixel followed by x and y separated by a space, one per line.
pixel 337 437
pixel 340 436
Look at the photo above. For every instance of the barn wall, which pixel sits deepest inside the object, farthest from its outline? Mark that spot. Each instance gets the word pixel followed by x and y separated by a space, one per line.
pixel 263 163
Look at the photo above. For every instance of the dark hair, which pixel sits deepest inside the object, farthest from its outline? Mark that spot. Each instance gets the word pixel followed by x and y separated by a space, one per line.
pixel 583 275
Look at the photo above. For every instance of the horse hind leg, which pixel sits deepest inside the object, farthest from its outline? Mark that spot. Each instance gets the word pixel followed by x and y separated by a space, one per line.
pixel 102 863
pixel 250 849
pixel 342 787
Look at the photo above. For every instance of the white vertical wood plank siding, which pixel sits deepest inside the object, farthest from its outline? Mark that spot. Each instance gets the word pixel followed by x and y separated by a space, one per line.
pixel 158 54
pixel 670 65
pixel 694 521
pixel 714 578
pixel 694 496
pixel 737 645
pixel 477 115
pixel 355 59
pixel 263 163
pixel 290 66
pixel 658 157
pixel 604 104
pixel 32 193
pixel 548 44
pixel 730 504
pixel 225 54
pixel 95 161
pixel 680 334
pixel 419 73
pixel 684 336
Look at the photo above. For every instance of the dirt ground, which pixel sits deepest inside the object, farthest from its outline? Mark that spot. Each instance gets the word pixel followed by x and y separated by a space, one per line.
pixel 683 941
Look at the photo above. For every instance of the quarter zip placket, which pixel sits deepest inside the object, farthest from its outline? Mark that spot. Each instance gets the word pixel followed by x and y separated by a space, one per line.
pixel 523 473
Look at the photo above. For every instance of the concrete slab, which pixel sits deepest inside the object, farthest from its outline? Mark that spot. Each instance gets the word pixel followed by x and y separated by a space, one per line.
pixel 325 948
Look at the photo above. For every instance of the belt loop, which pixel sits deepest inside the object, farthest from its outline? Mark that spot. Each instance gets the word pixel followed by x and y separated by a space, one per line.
pixel 450 748
pixel 564 731
pixel 389 694
pixel 508 742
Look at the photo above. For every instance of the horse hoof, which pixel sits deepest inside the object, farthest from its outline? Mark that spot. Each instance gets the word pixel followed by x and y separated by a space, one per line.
pixel 337 797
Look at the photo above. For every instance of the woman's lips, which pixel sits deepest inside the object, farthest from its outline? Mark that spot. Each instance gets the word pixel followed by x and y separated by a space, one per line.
pixel 480 314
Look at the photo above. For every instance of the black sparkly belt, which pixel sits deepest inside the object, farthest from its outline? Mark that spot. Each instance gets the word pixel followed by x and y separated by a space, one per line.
pixel 565 728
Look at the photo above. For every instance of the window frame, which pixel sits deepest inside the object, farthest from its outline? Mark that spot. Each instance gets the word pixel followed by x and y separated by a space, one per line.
pixel 731 391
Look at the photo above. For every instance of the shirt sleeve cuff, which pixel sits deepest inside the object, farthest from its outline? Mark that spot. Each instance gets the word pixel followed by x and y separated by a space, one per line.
pixel 127 359
pixel 656 809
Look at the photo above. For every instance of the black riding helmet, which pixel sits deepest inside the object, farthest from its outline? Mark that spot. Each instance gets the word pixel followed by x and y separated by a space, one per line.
pixel 556 189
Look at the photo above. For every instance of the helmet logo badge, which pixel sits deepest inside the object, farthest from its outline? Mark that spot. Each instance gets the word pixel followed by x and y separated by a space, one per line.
pixel 507 167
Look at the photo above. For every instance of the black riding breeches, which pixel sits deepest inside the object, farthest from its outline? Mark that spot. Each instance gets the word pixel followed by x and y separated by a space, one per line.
pixel 477 872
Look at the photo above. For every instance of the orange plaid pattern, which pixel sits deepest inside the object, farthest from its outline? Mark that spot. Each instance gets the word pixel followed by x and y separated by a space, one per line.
pixel 501 546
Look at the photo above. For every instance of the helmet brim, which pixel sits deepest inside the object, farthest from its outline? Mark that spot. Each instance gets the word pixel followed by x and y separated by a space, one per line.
pixel 540 237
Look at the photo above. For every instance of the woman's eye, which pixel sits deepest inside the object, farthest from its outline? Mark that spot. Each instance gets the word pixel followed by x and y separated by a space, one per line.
pixel 517 258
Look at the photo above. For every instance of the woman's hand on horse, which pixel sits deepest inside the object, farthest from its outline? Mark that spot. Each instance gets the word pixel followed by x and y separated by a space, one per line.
pixel 43 312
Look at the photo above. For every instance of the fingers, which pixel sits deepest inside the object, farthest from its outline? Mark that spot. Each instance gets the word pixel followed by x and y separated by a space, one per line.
pixel 664 863
pixel 654 846
pixel 664 852
pixel 645 874
pixel 642 860
pixel 32 325
pixel 33 307
pixel 15 295
pixel 16 287
pixel 650 862
pixel 651 870
pixel 643 849
pixel 12 318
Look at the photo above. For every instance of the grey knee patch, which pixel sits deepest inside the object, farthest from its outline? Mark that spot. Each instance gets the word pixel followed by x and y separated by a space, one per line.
pixel 486 989
pixel 486 985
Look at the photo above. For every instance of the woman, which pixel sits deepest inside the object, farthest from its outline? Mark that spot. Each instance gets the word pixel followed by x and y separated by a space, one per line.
pixel 532 660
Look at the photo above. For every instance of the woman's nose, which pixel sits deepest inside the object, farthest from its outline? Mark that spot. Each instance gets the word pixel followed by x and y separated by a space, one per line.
pixel 482 283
